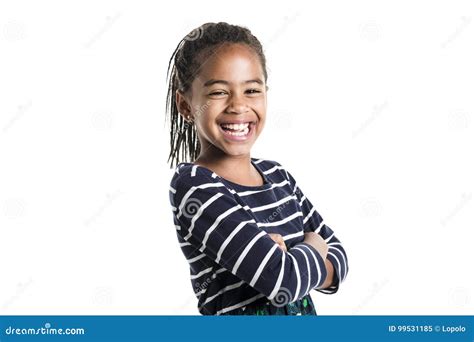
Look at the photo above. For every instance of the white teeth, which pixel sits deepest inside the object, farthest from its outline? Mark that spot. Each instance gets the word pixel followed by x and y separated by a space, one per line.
pixel 240 133
pixel 236 127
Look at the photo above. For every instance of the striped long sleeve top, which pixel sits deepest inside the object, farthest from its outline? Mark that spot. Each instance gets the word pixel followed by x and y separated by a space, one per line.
pixel 222 229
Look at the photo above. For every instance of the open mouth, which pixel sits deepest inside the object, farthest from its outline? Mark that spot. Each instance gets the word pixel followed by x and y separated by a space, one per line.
pixel 236 130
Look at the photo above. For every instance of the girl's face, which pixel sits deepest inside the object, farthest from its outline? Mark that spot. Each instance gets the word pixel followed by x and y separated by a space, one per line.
pixel 229 89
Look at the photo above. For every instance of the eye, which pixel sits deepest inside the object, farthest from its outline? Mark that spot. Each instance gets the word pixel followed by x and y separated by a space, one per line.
pixel 218 93
pixel 253 91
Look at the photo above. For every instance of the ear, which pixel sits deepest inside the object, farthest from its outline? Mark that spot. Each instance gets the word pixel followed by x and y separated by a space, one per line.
pixel 184 108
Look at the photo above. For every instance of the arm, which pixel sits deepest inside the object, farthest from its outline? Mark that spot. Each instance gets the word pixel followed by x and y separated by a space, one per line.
pixel 336 259
pixel 224 231
pixel 330 277
pixel 320 245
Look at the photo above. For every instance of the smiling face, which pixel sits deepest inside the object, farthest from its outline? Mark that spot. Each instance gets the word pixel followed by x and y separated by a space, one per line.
pixel 227 102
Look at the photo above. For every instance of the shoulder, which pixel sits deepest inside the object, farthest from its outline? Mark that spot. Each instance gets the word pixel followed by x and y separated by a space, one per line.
pixel 193 180
pixel 189 174
pixel 273 167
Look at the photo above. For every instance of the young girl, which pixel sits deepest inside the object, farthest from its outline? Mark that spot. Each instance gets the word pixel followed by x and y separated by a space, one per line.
pixel 254 242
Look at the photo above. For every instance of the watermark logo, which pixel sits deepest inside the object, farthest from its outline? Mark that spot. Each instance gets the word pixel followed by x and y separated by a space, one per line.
pixel 194 34
pixel 282 298
pixel 191 207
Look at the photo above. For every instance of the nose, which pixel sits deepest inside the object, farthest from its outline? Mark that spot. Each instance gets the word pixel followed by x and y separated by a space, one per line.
pixel 237 105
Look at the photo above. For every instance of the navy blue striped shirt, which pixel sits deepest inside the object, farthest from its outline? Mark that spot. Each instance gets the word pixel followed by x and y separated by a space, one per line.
pixel 222 228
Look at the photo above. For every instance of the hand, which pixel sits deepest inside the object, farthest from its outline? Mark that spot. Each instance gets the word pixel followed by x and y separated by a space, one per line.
pixel 316 241
pixel 279 240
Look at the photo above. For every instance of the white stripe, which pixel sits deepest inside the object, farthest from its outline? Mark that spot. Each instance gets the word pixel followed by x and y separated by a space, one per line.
pixel 262 264
pixel 230 237
pixel 200 211
pixel 193 170
pixel 292 236
pixel 207 270
pixel 279 223
pixel 216 223
pixel 251 192
pixel 298 277
pixel 258 161
pixel 273 169
pixel 246 250
pixel 328 290
pixel 329 238
pixel 214 275
pixel 344 261
pixel 319 228
pixel 190 192
pixel 196 258
pixel 309 215
pixel 172 190
pixel 338 265
pixel 320 276
pixel 334 243
pixel 272 205
pixel 225 289
pixel 239 305
pixel 277 287
pixel 309 269
pixel 302 200
pixel 177 227
pixel 182 244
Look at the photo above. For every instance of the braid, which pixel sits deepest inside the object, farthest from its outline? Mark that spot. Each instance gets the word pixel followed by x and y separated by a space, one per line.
pixel 183 67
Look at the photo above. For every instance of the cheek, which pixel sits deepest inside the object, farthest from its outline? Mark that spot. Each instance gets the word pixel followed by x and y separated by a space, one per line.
pixel 205 123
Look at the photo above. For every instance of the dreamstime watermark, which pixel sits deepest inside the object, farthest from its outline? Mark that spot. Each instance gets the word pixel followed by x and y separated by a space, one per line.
pixel 194 34
pixel 102 120
pixel 109 21
pixel 465 198
pixel 378 109
pixel 198 111
pixel 21 288
pixel 199 287
pixel 460 296
pixel 465 22
pixel 191 207
pixel 14 31
pixel 376 288
pixel 282 298
pixel 276 212
pixel 370 207
pixel 287 20
pixel 370 30
pixel 46 330
pixel 280 120
pixel 21 110
pixel 103 296
pixel 14 208
pixel 458 120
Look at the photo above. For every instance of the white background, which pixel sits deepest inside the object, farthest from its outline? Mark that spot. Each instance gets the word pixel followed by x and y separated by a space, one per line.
pixel 370 108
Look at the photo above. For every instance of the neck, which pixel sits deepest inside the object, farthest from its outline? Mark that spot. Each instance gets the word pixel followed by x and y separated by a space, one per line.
pixel 237 169
pixel 240 162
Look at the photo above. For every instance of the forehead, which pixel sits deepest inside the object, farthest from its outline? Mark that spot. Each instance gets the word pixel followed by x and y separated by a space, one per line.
pixel 230 62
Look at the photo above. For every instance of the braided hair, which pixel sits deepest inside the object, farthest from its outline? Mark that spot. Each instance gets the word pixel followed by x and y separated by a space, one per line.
pixel 183 68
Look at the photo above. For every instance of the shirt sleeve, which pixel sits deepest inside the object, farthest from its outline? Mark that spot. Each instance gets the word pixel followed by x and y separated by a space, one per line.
pixel 211 219
pixel 313 222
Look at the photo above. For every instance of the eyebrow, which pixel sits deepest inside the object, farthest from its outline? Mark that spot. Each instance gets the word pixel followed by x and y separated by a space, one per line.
pixel 213 81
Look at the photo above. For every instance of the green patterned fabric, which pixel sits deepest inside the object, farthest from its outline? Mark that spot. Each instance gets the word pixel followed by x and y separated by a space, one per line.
pixel 304 306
